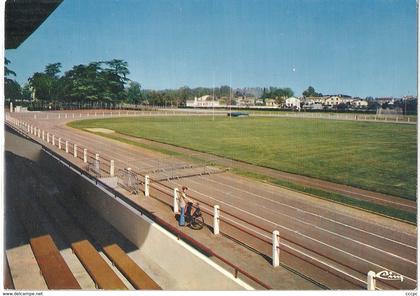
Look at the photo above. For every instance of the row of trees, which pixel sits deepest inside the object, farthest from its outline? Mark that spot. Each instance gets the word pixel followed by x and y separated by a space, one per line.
pixel 106 82
pixel 97 81
pixel 278 94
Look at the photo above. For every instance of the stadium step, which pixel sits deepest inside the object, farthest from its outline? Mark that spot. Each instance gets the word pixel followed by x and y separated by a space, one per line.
pixel 56 273
pixel 135 275
pixel 101 273
pixel 24 269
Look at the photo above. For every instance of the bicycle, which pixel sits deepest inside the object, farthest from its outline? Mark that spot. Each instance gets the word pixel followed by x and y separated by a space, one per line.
pixel 196 220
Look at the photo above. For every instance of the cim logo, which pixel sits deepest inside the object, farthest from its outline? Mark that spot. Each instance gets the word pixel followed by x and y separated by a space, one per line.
pixel 389 275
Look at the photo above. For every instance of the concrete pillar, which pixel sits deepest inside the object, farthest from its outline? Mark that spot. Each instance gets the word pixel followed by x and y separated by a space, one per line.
pixel 43 135
pixel 276 249
pixel 67 146
pixel 53 140
pixel 408 119
pixel 146 186
pixel 216 220
pixel 111 168
pixel 48 137
pixel 65 115
pixel 73 115
pixel 371 281
pixel 32 129
pixel 59 143
pixel 59 115
pixel 85 155
pixel 11 107
pixel 39 133
pixel 175 201
pixel 75 150
pixel 29 128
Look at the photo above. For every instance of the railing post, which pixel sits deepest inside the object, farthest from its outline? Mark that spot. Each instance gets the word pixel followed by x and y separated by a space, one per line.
pixel 29 128
pixel 53 140
pixel 32 129
pixel 276 249
pixel 67 146
pixel 43 135
pixel 85 155
pixel 175 201
pixel 111 168
pixel 371 281
pixel 11 107
pixel 59 143
pixel 39 133
pixel 48 137
pixel 216 220
pixel 97 162
pixel 75 150
pixel 146 186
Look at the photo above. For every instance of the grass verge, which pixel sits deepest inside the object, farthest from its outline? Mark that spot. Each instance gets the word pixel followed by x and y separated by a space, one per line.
pixel 318 193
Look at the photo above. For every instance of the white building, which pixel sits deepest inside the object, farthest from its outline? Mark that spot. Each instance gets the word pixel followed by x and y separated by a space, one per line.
pixel 359 103
pixel 204 101
pixel 293 103
pixel 333 101
pixel 271 103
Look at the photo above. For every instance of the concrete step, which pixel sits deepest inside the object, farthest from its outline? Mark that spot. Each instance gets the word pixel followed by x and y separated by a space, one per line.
pixel 24 269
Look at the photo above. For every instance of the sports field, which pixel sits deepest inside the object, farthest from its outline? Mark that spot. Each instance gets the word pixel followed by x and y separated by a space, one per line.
pixel 374 156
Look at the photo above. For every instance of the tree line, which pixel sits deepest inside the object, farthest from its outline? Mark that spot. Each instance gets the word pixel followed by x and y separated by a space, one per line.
pixel 105 82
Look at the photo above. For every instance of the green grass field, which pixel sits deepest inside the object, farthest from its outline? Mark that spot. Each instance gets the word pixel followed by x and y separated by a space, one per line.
pixel 375 156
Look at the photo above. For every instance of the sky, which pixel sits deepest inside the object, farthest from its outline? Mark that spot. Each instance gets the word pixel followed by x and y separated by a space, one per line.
pixel 355 47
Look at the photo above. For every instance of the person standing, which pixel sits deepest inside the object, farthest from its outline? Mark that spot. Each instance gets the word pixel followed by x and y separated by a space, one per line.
pixel 183 200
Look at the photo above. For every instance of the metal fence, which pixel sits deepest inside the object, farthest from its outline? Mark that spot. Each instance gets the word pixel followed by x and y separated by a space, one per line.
pixel 129 180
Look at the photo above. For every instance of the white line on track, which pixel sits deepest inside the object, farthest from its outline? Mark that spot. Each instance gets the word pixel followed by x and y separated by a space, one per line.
pixel 304 211
pixel 330 232
pixel 297 232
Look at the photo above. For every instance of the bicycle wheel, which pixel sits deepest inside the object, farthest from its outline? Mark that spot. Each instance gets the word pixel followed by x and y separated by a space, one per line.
pixel 197 223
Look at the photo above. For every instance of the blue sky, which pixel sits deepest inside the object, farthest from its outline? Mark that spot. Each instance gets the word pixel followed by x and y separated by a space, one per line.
pixel 355 47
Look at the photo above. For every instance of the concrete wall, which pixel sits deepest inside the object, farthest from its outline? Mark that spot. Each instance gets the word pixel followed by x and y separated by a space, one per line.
pixel 189 268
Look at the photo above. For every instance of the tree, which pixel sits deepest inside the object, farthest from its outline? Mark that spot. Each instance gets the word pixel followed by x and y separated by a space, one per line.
pixel 278 94
pixel 310 92
pixel 12 89
pixel 40 83
pixel 26 92
pixel 373 105
pixel 7 71
pixel 134 94
pixel 52 70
